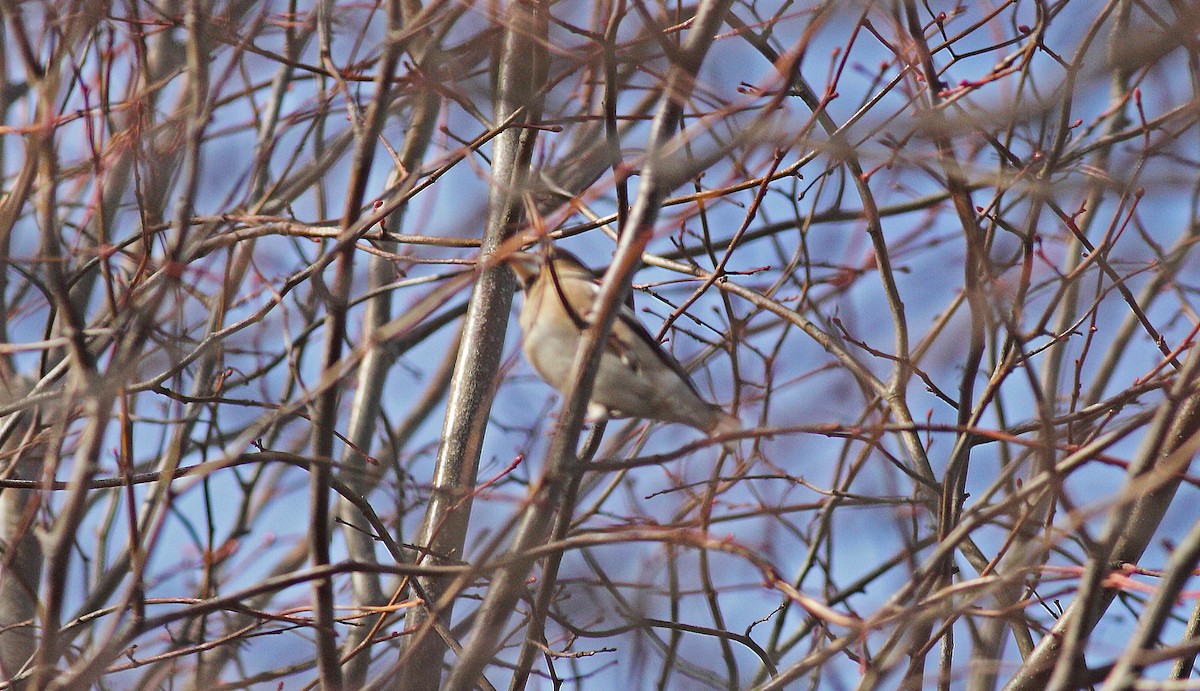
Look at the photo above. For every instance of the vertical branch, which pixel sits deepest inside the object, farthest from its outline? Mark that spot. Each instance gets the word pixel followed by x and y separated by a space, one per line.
pixel 338 299
pixel 521 75
pixel 1167 447
pixel 21 555
pixel 84 382
pixel 657 179
pixel 535 635
pixel 975 273
pixel 1029 550
pixel 372 374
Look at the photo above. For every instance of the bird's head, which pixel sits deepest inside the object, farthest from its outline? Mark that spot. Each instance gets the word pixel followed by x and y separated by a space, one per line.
pixel 529 266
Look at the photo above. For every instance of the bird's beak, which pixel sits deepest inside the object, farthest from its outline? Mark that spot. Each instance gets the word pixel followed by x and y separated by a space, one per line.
pixel 525 265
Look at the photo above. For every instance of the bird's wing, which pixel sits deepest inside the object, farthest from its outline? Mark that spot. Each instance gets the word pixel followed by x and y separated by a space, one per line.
pixel 628 331
pixel 627 335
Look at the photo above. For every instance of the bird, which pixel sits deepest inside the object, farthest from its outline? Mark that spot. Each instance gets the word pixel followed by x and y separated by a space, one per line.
pixel 636 377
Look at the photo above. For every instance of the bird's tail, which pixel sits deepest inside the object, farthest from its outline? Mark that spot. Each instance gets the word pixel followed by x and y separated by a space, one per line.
pixel 723 424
